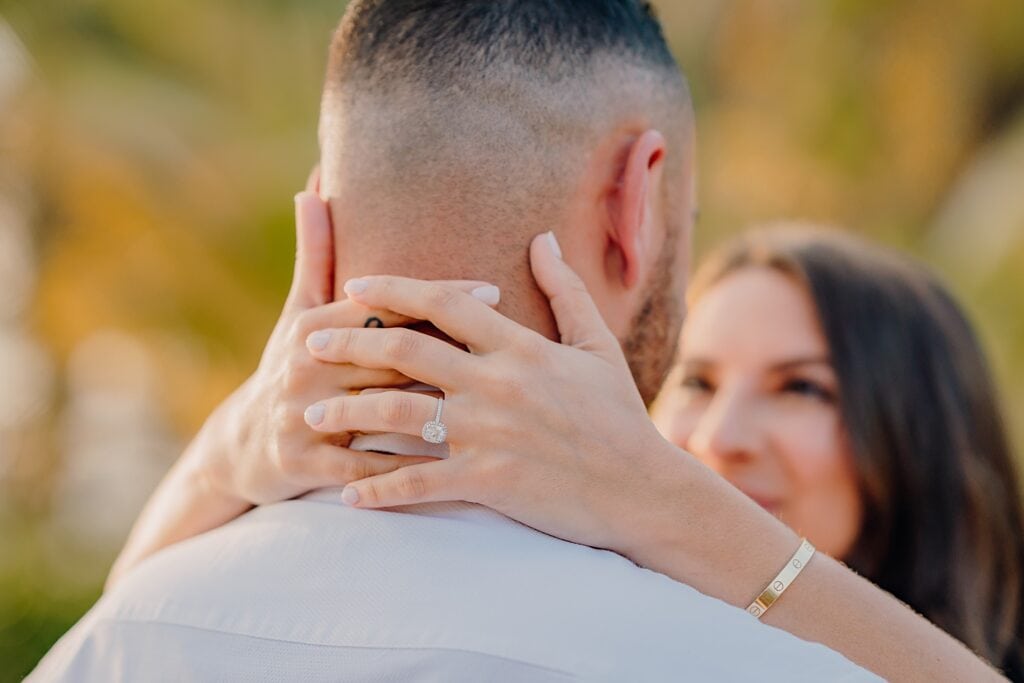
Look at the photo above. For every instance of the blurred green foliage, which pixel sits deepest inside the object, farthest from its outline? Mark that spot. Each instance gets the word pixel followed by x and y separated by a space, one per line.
pixel 159 144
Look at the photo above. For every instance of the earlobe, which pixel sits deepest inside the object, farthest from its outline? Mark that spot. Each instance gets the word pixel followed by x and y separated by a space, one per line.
pixel 630 219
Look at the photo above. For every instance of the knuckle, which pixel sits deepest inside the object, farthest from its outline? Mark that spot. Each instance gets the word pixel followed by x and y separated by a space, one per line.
pixel 294 330
pixel 400 345
pixel 289 463
pixel 440 297
pixel 492 377
pixel 533 346
pixel 341 343
pixel 505 470
pixel 370 492
pixel 305 324
pixel 492 480
pixel 497 468
pixel 411 485
pixel 281 446
pixel 295 375
pixel 575 286
pixel 358 468
pixel 395 409
pixel 282 420
pixel 285 419
pixel 335 415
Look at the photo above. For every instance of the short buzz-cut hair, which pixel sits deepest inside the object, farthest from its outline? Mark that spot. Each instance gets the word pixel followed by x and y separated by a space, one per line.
pixel 488 104
pixel 438 42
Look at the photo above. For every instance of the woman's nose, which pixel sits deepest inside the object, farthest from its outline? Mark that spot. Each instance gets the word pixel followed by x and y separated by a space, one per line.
pixel 726 432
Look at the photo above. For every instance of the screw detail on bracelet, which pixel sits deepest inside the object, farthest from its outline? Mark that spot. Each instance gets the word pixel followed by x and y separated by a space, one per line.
pixel 770 595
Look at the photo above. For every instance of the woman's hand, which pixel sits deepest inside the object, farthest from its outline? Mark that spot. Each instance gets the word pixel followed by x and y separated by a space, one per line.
pixel 547 433
pixel 256 448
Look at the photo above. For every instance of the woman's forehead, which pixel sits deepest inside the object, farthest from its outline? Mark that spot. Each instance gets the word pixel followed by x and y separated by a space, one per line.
pixel 755 313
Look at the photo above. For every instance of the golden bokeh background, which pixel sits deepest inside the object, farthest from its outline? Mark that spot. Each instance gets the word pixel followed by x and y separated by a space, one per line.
pixel 149 153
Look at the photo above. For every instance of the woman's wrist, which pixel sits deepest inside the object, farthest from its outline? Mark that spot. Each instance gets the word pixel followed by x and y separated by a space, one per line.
pixel 208 462
pixel 690 524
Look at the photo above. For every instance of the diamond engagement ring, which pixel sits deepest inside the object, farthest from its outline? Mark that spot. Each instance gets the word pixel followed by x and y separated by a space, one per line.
pixel 435 431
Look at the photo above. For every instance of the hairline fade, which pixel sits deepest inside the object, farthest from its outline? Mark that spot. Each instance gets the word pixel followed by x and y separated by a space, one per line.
pixel 437 41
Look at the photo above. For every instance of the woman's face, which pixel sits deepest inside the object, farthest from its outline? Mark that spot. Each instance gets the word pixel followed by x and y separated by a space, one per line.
pixel 755 399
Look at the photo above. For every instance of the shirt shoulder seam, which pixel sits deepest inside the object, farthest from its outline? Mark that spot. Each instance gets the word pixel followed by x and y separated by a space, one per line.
pixel 116 621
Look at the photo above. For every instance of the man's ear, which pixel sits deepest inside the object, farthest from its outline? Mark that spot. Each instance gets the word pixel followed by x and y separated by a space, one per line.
pixel 630 205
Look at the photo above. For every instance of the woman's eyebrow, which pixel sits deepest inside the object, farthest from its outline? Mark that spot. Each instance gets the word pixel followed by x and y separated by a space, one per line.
pixel 699 363
pixel 801 362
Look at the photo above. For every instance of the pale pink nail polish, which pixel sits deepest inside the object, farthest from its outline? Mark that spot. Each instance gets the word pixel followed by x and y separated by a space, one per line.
pixel 489 294
pixel 553 241
pixel 349 496
pixel 315 414
pixel 318 341
pixel 356 287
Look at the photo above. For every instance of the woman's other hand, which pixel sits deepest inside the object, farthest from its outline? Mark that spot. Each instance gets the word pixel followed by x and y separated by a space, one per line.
pixel 268 453
pixel 256 447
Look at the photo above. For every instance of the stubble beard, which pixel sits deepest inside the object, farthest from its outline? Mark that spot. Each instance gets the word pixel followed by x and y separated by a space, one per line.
pixel 650 347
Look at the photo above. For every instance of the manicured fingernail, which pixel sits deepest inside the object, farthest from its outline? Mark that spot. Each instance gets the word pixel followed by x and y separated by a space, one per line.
pixel 349 496
pixel 489 294
pixel 318 341
pixel 356 287
pixel 553 241
pixel 315 414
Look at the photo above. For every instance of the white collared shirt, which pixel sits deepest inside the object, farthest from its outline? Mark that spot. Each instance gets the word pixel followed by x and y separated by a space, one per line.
pixel 311 590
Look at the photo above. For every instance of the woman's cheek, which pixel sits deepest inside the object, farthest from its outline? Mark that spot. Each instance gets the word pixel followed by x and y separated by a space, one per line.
pixel 824 503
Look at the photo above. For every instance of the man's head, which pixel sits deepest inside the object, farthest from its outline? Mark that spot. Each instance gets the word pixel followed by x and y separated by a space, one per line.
pixel 453 131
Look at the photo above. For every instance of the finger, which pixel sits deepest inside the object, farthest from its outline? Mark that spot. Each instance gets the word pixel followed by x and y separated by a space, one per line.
pixel 313 281
pixel 467 318
pixel 393 412
pixel 327 465
pixel 353 377
pixel 350 313
pixel 579 322
pixel 426 483
pixel 414 354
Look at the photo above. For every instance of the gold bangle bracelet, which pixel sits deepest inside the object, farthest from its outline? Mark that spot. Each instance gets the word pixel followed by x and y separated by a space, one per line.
pixel 780 583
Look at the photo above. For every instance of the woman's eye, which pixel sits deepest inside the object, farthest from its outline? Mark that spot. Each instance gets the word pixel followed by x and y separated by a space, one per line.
pixel 696 383
pixel 803 387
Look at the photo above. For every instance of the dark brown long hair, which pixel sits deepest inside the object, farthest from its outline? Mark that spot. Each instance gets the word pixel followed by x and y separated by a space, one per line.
pixel 943 528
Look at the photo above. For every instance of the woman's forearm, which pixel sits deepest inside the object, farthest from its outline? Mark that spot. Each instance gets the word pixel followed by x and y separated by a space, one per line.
pixel 694 527
pixel 185 504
